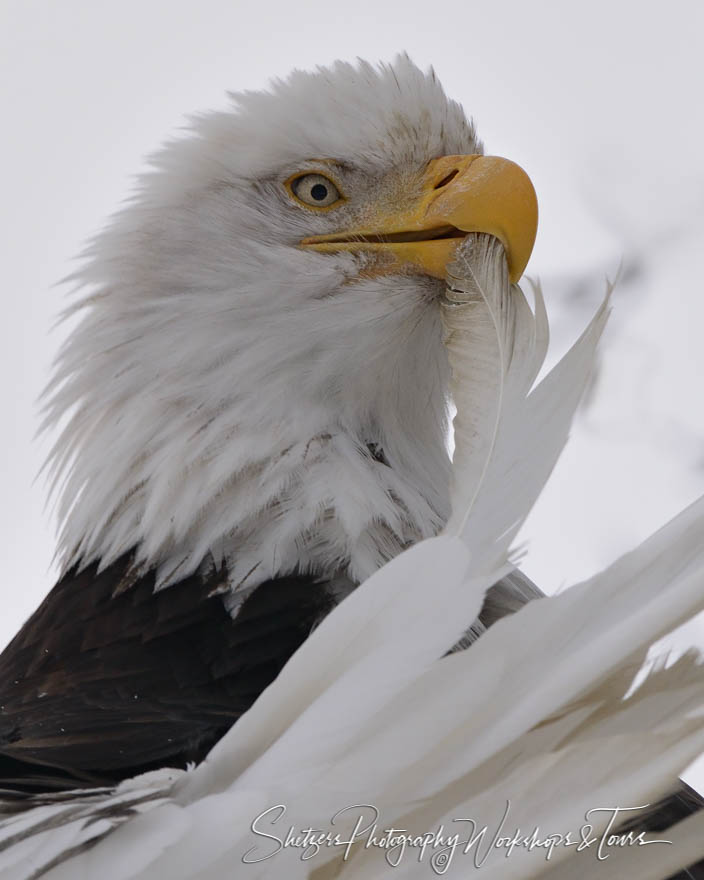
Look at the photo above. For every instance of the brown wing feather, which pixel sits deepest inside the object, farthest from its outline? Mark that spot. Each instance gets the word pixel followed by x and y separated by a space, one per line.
pixel 103 682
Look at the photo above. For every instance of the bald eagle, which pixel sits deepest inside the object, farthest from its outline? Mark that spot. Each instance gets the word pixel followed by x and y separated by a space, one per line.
pixel 253 414
pixel 253 410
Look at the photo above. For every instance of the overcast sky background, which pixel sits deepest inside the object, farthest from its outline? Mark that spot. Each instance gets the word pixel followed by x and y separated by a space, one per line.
pixel 601 104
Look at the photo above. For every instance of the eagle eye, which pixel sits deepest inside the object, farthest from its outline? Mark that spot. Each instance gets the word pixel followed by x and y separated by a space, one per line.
pixel 314 190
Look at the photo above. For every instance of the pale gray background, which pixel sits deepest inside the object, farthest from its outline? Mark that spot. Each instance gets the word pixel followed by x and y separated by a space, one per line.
pixel 599 101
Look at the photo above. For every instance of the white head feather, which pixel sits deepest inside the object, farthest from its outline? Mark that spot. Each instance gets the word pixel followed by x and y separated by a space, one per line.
pixel 220 395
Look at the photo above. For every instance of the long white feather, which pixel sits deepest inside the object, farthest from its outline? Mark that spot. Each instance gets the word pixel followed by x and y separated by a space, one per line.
pixel 496 349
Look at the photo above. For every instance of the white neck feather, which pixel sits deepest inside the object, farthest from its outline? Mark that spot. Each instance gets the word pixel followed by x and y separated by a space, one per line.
pixel 199 433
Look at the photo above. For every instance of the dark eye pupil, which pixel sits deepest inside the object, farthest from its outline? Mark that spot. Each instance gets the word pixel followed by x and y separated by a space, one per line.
pixel 319 192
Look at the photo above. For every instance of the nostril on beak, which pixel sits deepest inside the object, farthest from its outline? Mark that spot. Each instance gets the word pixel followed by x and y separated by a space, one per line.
pixel 447 178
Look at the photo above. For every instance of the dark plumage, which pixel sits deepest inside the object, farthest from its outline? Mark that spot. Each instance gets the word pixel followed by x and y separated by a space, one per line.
pixel 104 682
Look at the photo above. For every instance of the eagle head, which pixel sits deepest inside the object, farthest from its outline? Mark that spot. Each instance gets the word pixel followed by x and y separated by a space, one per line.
pixel 258 379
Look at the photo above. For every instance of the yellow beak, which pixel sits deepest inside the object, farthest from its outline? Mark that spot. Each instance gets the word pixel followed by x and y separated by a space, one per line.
pixel 459 194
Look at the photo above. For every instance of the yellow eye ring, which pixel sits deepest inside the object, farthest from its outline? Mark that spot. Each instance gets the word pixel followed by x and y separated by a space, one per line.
pixel 314 191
